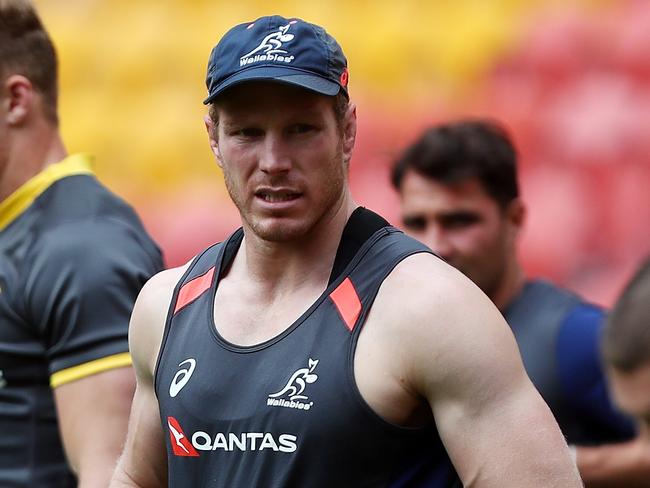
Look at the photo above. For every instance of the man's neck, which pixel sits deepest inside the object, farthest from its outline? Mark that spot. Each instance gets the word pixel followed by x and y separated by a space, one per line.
pixel 308 261
pixel 511 284
pixel 29 152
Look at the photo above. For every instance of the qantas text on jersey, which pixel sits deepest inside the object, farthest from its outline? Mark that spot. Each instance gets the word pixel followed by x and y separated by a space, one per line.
pixel 245 441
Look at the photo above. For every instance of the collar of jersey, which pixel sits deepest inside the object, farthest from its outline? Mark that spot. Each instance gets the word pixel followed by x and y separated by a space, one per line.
pixel 16 203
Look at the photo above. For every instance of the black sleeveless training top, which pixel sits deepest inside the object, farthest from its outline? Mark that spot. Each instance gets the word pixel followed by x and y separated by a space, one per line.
pixel 287 412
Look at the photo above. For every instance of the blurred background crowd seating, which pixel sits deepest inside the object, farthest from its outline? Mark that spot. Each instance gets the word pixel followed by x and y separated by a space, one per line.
pixel 570 79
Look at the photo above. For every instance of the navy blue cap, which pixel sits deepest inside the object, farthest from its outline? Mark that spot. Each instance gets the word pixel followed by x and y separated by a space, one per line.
pixel 277 49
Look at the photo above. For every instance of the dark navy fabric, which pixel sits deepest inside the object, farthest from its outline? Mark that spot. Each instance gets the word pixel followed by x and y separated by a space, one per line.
pixel 360 226
pixel 581 374
pixel 276 48
pixel 557 333
pixel 286 412
pixel 71 266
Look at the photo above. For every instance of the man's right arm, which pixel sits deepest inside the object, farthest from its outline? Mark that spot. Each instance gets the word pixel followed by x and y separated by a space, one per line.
pixel 614 465
pixel 143 462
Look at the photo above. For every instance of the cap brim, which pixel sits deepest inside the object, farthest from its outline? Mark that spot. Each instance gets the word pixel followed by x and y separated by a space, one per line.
pixel 278 74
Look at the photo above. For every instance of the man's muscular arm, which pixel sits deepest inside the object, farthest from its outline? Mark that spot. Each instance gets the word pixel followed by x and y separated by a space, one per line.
pixel 143 462
pixel 460 355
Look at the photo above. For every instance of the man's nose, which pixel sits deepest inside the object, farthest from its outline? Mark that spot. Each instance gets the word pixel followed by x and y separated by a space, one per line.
pixel 274 157
pixel 438 241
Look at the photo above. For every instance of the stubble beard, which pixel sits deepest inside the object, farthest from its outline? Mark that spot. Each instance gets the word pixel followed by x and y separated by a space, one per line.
pixel 328 199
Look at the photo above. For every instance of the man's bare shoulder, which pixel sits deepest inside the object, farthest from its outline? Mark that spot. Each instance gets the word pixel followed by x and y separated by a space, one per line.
pixel 423 284
pixel 162 283
pixel 155 296
pixel 435 316
pixel 150 315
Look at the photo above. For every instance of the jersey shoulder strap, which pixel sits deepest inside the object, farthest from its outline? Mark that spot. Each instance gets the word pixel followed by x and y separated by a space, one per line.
pixel 200 274
pixel 358 283
pixel 197 280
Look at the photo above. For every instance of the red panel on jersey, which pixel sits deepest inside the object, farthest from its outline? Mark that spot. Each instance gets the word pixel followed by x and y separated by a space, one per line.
pixel 180 443
pixel 193 289
pixel 347 302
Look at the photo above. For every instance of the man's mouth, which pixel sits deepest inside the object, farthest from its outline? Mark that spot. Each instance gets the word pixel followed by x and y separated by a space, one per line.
pixel 277 196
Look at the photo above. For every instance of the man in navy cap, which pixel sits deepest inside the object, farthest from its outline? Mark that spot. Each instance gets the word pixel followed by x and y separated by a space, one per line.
pixel 318 345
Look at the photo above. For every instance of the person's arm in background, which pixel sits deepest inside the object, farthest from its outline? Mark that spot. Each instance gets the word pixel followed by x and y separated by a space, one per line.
pixel 80 294
pixel 616 465
pixel 93 413
pixel 625 461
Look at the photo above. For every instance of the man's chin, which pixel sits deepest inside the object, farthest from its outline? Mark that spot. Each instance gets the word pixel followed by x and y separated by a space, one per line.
pixel 279 231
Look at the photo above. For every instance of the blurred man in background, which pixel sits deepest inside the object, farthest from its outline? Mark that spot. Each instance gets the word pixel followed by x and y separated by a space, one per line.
pixel 72 259
pixel 460 196
pixel 626 350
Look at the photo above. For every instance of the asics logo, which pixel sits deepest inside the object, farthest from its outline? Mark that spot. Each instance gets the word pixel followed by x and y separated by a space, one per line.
pixel 270 49
pixel 297 383
pixel 182 376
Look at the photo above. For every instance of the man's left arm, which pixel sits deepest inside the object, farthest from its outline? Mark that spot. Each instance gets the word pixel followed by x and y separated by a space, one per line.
pixel 93 415
pixel 80 296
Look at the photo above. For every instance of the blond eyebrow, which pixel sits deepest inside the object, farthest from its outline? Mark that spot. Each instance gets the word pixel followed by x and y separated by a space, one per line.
pixel 227 124
pixel 308 113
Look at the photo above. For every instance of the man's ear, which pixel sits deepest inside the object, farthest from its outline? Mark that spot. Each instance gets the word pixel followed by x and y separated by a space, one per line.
pixel 349 131
pixel 17 99
pixel 516 213
pixel 212 138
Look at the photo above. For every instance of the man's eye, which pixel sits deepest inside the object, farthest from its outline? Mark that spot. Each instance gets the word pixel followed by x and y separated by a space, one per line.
pixel 301 128
pixel 414 223
pixel 248 132
pixel 459 221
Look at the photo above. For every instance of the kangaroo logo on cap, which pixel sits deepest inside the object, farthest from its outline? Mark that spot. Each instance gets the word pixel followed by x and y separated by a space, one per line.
pixel 270 49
